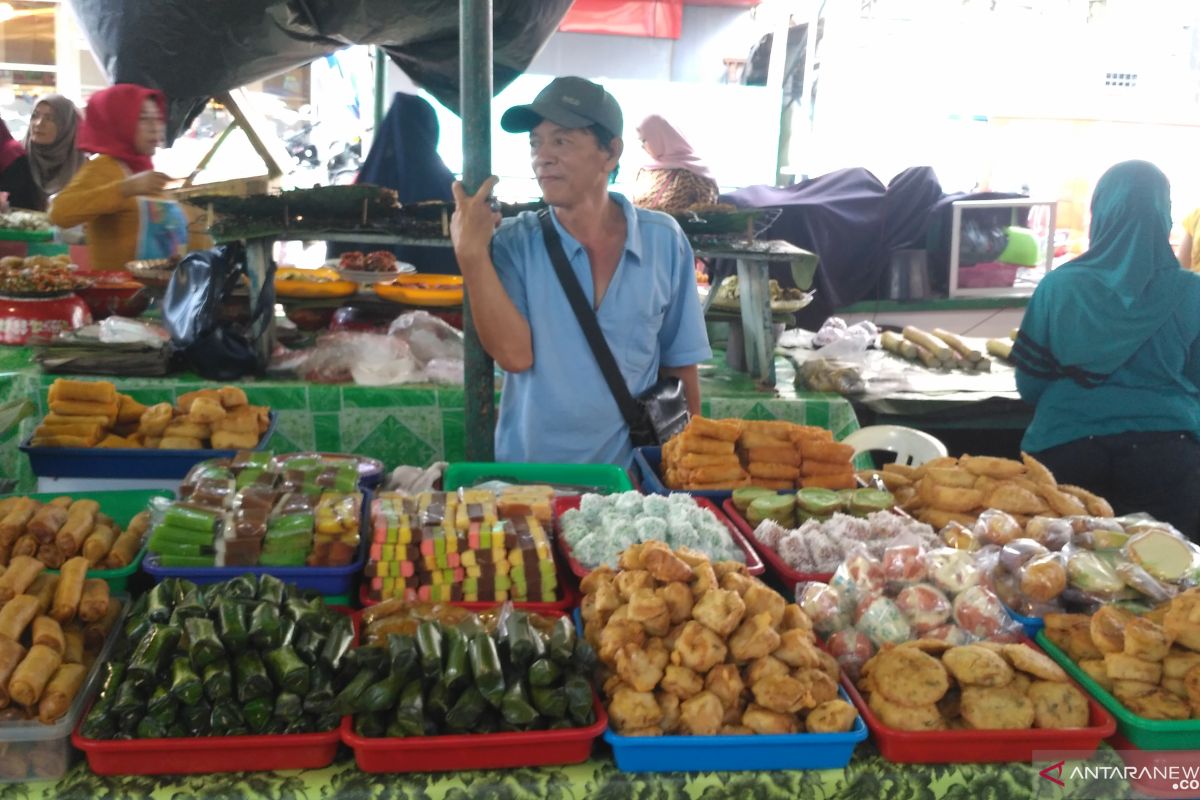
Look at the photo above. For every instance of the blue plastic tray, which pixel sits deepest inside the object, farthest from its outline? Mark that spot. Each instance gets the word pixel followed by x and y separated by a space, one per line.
pixel 103 462
pixel 1031 624
pixel 736 753
pixel 329 581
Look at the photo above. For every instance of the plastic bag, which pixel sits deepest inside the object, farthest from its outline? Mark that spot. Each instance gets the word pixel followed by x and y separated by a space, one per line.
pixel 427 336
pixel 997 527
pixel 122 330
pixel 370 359
pixel 215 346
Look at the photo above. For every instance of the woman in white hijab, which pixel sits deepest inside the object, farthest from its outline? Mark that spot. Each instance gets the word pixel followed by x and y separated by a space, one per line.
pixel 50 143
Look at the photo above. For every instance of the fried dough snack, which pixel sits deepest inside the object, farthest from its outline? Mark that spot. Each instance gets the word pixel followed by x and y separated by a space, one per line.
pixel 685 644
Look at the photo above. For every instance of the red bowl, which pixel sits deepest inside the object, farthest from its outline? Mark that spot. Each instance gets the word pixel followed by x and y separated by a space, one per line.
pixel 113 293
pixel 310 319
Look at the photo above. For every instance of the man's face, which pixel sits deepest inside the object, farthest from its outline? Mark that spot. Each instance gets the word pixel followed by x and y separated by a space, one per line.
pixel 568 162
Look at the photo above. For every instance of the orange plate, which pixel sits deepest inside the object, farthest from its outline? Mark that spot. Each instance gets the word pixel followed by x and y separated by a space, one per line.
pixel 308 289
pixel 421 289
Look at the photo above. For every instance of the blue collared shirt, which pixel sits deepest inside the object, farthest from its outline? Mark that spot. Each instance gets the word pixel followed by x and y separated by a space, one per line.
pixel 561 410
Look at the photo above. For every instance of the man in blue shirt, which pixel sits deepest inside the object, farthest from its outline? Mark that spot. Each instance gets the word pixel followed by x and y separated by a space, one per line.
pixel 635 267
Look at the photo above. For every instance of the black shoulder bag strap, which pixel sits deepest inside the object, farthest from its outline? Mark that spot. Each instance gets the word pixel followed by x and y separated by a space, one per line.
pixel 631 410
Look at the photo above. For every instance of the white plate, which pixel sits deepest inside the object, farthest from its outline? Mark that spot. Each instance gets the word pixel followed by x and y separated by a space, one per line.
pixel 367 277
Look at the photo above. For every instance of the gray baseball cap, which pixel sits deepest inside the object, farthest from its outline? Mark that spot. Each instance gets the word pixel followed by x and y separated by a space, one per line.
pixel 571 102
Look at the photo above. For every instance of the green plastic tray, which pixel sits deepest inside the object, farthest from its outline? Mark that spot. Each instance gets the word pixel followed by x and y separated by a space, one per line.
pixel 599 478
pixel 11 235
pixel 122 506
pixel 1146 734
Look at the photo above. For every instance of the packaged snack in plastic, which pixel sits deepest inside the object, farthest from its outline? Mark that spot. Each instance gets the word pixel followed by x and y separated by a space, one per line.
pixel 949 633
pixel 218 468
pixel 214 492
pixel 338 522
pixel 824 607
pixel 960 537
pixel 296 503
pixel 250 459
pixel 884 622
pixel 858 574
pixel 1014 554
pixel 1163 553
pixel 997 527
pixel 1043 577
pixel 924 606
pixel 953 571
pixel 1091 573
pixel 851 647
pixel 1054 533
pixel 904 562
pixel 979 612
pixel 1145 584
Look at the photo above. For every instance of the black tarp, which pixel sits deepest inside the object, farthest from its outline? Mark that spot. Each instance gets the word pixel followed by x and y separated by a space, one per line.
pixel 193 49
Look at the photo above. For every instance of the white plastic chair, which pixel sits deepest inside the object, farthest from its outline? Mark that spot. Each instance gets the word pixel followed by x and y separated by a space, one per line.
pixel 911 446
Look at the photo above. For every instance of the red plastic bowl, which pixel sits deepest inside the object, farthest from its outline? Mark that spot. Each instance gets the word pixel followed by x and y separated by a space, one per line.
pixel 775 563
pixel 113 293
pixel 986 746
pixel 753 564
pixel 452 753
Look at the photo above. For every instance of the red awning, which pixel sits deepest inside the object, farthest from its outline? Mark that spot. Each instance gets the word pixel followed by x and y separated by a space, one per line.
pixel 660 19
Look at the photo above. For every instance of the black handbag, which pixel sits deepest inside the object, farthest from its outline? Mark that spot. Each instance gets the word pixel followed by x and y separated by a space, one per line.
pixel 656 414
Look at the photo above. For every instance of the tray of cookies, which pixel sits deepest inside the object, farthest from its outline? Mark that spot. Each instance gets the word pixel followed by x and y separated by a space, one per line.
pixel 1143 669
pixel 927 702
pixel 93 431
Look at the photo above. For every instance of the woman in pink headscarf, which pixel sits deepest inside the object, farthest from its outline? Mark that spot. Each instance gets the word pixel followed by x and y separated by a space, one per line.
pixel 675 178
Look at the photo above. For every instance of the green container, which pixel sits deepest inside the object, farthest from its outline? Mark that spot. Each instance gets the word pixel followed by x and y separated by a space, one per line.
pixel 1147 734
pixel 122 506
pixel 597 478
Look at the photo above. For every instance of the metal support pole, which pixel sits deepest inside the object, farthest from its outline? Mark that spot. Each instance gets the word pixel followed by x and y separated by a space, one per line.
pixel 475 102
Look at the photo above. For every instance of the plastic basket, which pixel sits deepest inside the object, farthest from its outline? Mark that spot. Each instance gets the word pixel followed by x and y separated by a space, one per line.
pixel 735 753
pixel 594 478
pixel 203 754
pixel 116 464
pixel 789 576
pixel 122 506
pixel 561 504
pixel 982 746
pixel 332 582
pixel 452 753
pixel 44 750
pixel 1146 734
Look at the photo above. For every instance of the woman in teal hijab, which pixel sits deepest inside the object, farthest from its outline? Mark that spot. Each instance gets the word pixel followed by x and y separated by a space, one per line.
pixel 1109 355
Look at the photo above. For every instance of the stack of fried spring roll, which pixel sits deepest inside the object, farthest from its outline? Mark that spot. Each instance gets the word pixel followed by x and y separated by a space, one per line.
pixel 63 528
pixel 51 629
pixel 704 456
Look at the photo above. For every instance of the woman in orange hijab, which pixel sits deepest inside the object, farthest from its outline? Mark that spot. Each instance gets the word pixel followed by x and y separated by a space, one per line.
pixel 117 194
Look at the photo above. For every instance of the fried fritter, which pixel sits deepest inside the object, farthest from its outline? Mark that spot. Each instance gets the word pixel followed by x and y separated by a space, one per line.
pixel 765 721
pixel 651 611
pixel 834 716
pixel 629 709
pixel 986 708
pixel 725 681
pixel 642 667
pixel 629 581
pixel 797 650
pixel 679 600
pixel 907 676
pixel 906 718
pixel 977 666
pixel 781 693
pixel 617 634
pixel 1034 662
pixel 682 682
pixel 754 638
pixel 1058 705
pixel 765 667
pixel 759 599
pixel 698 648
pixel 720 611
pixel 702 714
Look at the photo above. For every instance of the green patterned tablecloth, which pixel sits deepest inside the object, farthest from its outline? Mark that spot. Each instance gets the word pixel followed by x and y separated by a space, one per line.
pixel 416 425
pixel 867 777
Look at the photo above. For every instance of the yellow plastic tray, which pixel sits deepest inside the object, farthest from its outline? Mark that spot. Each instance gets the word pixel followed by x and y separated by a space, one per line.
pixel 423 290
pixel 335 287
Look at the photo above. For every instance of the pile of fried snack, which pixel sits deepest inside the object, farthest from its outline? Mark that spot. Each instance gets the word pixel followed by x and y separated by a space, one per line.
pixel 950 489
pixel 94 414
pixel 51 629
pixel 719 454
pixel 927 685
pixel 692 647
pixel 64 528
pixel 1150 664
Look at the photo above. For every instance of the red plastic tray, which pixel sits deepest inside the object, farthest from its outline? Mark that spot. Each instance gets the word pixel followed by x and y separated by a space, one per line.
pixel 566 586
pixel 208 753
pixel 986 746
pixel 778 567
pixel 203 754
pixel 478 751
pixel 753 562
